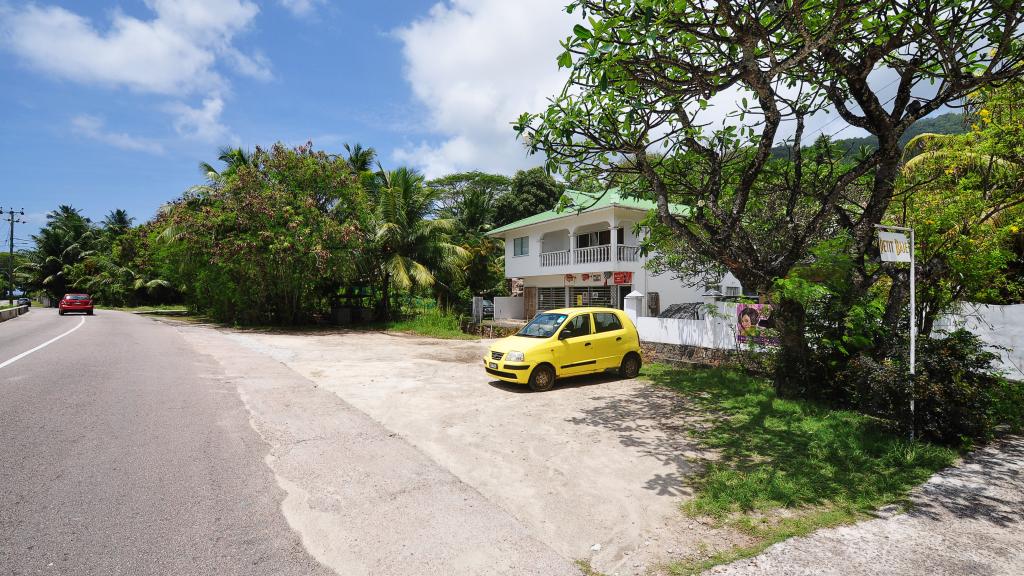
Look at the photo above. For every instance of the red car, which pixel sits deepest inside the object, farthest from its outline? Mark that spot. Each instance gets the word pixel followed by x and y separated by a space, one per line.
pixel 75 303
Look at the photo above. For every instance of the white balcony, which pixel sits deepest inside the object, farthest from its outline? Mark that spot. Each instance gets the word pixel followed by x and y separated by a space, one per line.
pixel 593 254
pixel 629 253
pixel 559 258
pixel 589 255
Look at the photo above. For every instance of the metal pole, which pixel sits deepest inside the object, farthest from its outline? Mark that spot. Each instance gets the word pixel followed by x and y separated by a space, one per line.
pixel 10 260
pixel 913 329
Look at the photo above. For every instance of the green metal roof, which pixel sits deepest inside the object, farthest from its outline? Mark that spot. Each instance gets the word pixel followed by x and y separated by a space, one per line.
pixel 579 202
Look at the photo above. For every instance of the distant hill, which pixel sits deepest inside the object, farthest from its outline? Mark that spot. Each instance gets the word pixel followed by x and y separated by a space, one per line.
pixel 951 123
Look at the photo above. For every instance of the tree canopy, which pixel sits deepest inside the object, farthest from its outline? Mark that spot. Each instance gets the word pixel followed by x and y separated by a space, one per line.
pixel 643 75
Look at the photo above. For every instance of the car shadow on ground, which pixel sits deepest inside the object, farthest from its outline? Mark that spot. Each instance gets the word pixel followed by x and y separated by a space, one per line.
pixel 561 384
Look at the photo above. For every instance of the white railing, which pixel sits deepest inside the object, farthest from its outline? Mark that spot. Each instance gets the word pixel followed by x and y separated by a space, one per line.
pixel 593 254
pixel 560 258
pixel 629 253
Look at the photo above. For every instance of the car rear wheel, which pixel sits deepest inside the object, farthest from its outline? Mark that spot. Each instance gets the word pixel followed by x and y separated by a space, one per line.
pixel 61 312
pixel 542 378
pixel 630 366
pixel 89 312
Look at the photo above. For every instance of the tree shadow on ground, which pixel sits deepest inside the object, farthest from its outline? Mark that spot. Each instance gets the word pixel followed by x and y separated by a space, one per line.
pixel 727 434
pixel 988 486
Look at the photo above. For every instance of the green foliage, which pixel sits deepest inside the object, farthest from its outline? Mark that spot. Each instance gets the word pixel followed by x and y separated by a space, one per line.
pixel 824 467
pixel 469 200
pixel 532 191
pixel 430 321
pixel 959 397
pixel 270 242
pixel 965 200
pixel 643 73
pixel 63 244
pixel 405 248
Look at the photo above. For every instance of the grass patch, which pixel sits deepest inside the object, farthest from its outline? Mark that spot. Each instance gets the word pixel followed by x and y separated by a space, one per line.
pixel 790 467
pixel 587 569
pixel 431 322
pixel 174 307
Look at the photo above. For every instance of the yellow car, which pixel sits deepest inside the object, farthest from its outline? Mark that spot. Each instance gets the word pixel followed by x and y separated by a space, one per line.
pixel 566 342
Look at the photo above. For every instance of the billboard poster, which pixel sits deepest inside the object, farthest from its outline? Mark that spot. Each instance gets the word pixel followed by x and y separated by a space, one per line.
pixel 755 325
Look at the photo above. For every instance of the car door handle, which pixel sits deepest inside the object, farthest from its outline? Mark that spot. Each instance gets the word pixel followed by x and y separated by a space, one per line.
pixel 587 344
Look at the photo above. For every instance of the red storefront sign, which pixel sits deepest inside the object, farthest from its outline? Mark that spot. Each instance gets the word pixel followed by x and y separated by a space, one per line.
pixel 622 278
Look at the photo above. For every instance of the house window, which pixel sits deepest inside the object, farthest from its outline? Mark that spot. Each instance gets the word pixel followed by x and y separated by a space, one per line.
pixel 732 290
pixel 521 246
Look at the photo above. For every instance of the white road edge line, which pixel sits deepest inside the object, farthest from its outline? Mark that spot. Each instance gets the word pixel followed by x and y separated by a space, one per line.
pixel 43 345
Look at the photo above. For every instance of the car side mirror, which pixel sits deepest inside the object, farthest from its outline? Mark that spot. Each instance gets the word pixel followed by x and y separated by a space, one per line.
pixel 564 334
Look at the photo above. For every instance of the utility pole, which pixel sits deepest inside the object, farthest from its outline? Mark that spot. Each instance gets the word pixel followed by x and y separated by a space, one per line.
pixel 12 218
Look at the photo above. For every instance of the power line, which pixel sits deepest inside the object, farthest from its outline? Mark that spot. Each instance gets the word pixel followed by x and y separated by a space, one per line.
pixel 12 219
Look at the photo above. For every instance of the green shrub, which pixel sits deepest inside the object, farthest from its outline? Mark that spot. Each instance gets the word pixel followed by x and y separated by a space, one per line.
pixel 959 395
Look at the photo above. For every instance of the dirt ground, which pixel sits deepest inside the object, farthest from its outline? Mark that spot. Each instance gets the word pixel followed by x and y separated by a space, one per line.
pixel 596 468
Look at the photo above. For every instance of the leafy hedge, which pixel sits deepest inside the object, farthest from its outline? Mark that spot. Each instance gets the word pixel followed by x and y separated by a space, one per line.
pixel 960 397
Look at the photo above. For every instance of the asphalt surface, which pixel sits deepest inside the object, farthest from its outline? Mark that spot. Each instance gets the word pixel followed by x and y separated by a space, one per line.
pixel 120 455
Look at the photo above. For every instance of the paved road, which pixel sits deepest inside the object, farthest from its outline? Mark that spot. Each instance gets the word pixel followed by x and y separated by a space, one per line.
pixel 118 456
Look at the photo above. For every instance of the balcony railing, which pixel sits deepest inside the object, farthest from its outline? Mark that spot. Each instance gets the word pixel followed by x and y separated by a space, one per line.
pixel 629 253
pixel 560 258
pixel 589 255
pixel 593 254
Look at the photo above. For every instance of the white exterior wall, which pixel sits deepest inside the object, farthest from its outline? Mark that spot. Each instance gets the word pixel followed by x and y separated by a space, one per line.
pixel 529 265
pixel 996 325
pixel 707 333
pixel 554 235
pixel 508 307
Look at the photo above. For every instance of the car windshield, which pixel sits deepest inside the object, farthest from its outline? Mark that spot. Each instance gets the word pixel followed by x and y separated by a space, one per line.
pixel 543 325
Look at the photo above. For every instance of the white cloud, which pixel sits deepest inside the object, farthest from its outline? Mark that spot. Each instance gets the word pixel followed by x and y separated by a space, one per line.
pixel 94 127
pixel 176 52
pixel 202 123
pixel 476 65
pixel 300 7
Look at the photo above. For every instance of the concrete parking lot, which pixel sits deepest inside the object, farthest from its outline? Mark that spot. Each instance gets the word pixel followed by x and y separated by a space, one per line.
pixel 595 469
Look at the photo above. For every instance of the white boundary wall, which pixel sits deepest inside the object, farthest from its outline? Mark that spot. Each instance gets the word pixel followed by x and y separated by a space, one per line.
pixel 996 325
pixel 708 333
pixel 508 308
pixel 714 331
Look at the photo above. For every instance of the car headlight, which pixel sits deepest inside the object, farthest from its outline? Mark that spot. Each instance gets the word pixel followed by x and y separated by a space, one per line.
pixel 514 356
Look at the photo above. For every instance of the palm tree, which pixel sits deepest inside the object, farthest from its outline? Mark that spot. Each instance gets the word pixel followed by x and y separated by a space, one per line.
pixel 410 248
pixel 359 158
pixel 66 240
pixel 233 159
pixel 117 222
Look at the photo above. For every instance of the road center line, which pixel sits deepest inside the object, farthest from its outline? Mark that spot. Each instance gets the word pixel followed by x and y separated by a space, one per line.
pixel 43 345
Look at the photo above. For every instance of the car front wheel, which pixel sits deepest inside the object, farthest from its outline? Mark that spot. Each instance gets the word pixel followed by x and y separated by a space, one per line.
pixel 542 378
pixel 630 366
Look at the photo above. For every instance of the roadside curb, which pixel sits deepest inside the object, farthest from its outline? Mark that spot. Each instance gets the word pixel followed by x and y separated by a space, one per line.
pixel 13 312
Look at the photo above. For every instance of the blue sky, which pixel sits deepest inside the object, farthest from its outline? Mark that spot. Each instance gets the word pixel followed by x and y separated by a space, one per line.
pixel 113 104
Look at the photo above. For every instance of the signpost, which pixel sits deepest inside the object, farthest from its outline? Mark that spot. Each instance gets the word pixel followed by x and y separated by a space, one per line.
pixel 894 246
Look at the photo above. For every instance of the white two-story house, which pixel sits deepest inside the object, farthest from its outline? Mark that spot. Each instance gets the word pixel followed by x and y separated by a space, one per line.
pixel 588 255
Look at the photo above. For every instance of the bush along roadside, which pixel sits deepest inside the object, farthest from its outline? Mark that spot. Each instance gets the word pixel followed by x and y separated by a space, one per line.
pixel 789 467
pixel 960 398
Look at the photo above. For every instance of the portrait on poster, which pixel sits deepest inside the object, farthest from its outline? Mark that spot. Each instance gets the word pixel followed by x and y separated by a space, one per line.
pixel 755 324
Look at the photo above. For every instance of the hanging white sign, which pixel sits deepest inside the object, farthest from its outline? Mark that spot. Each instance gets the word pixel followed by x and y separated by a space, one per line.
pixel 894 247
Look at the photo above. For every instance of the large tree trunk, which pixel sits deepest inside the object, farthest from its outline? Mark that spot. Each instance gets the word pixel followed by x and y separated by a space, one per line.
pixel 793 372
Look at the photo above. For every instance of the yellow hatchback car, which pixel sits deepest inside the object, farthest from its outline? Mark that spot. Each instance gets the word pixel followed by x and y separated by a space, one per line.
pixel 566 342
